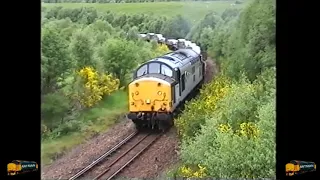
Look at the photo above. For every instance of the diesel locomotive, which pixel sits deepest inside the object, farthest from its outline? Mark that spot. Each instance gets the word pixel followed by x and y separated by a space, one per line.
pixel 299 167
pixel 161 85
pixel 18 167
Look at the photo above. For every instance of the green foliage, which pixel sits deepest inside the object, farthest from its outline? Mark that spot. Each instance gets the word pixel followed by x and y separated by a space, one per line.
pixel 82 126
pixel 221 147
pixel 234 136
pixel 54 106
pixel 230 13
pixel 119 57
pixel 55 61
pixel 95 86
pixel 209 21
pixel 177 27
pixel 193 11
pixel 192 172
pixel 238 105
pixel 250 47
pixel 197 110
pixel 81 48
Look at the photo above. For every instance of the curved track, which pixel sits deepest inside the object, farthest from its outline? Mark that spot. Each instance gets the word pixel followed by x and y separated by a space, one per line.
pixel 113 161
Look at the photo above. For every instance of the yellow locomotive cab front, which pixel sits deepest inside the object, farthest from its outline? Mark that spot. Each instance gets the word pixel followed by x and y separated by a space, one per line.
pixel 11 169
pixel 290 169
pixel 149 95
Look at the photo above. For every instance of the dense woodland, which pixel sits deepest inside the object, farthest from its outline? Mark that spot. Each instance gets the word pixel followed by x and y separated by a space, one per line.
pixel 227 132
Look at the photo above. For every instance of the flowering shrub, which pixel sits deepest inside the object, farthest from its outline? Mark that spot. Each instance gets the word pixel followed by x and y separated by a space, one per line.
pixel 197 109
pixel 95 86
pixel 249 130
pixel 194 172
pixel 224 128
pixel 238 139
pixel 160 50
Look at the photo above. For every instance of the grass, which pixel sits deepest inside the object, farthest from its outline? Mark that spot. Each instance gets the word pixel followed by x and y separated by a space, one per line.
pixel 194 11
pixel 95 120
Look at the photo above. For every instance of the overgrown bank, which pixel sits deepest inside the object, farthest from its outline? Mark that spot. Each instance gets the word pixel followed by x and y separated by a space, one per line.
pixel 229 131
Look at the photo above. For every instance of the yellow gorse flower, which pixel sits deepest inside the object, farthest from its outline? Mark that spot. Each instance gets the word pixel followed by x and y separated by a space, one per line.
pixel 95 86
pixel 224 128
pixel 198 172
pixel 249 130
pixel 207 102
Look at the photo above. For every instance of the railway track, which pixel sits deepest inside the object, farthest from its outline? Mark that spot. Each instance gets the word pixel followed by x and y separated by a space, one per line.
pixel 113 161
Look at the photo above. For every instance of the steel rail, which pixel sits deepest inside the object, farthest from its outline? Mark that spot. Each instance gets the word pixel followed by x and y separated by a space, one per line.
pixel 130 160
pixel 101 158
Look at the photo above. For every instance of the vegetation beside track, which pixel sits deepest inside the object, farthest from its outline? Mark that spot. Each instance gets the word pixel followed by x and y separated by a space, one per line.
pixel 235 114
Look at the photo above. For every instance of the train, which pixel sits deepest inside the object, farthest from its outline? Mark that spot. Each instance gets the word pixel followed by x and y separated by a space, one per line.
pixel 299 167
pixel 18 167
pixel 161 85
pixel 172 44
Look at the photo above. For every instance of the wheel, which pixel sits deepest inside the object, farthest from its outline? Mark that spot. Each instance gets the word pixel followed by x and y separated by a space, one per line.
pixel 139 126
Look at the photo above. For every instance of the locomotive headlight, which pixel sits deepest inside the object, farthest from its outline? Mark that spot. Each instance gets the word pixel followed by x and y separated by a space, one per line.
pixel 159 93
pixel 136 92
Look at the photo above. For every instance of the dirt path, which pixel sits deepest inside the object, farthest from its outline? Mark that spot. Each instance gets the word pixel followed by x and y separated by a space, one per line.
pixel 160 156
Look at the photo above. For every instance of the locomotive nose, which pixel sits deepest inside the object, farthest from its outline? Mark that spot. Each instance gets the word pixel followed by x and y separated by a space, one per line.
pixel 147 95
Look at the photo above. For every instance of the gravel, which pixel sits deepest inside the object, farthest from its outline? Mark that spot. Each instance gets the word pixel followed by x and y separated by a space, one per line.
pixel 85 154
pixel 157 158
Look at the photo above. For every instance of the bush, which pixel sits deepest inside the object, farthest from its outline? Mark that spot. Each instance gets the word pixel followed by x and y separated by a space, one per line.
pixel 54 108
pixel 95 86
pixel 238 139
pixel 238 105
pixel 160 50
pixel 192 171
pixel 188 124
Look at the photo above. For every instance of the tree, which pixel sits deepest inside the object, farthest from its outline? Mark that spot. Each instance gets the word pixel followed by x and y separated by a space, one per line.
pixel 133 33
pixel 119 57
pixel 55 60
pixel 177 27
pixel 81 48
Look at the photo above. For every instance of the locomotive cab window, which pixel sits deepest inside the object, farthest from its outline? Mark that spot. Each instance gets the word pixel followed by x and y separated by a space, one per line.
pixel 15 162
pixel 154 68
pixel 142 71
pixel 165 70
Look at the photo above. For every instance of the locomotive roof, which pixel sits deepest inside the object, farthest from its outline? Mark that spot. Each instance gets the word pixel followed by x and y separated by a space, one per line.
pixel 177 58
pixel 160 76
